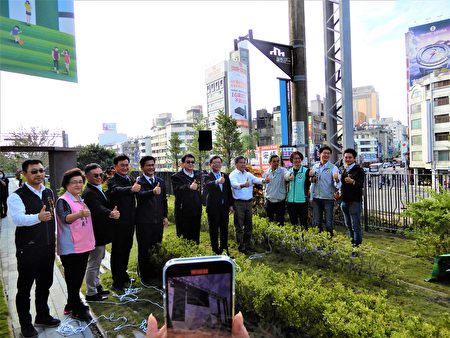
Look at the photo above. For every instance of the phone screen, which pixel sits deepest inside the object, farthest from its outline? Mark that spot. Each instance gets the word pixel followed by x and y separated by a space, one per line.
pixel 199 296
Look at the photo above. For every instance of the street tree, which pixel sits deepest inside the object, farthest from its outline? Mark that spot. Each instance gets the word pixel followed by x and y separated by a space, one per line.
pixel 228 142
pixel 193 148
pixel 249 143
pixel 94 153
pixel 175 149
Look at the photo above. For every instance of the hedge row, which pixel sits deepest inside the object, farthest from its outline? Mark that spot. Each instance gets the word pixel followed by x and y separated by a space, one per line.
pixel 305 305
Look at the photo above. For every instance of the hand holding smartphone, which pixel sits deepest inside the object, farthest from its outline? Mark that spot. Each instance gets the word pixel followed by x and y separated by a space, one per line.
pixel 199 296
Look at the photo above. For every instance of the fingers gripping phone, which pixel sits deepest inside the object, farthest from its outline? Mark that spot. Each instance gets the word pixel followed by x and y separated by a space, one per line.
pixel 199 296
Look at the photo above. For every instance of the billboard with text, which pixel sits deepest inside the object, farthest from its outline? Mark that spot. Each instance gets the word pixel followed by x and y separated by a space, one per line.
pixel 237 93
pixel 37 37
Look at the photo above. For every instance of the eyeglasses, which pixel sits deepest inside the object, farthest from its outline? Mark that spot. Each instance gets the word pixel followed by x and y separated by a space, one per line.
pixel 97 175
pixel 190 162
pixel 76 182
pixel 35 171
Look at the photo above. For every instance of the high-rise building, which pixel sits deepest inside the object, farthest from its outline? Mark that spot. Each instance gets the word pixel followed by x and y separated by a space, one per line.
pixel 194 113
pixel 428 64
pixel 365 105
pixel 228 90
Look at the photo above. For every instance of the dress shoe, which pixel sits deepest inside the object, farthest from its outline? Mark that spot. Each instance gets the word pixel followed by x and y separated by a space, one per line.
pixel 118 287
pixel 67 309
pixel 47 322
pixel 28 331
pixel 82 315
pixel 102 291
pixel 95 298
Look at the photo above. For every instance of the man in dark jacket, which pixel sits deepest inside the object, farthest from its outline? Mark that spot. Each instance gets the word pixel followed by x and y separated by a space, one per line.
pixel 151 216
pixel 352 189
pixel 188 203
pixel 122 195
pixel 219 203
pixel 31 209
pixel 101 214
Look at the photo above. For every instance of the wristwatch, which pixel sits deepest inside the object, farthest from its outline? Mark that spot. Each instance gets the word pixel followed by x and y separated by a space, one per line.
pixel 436 55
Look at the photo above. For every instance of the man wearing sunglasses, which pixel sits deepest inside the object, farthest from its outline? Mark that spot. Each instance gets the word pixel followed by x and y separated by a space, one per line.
pixel 188 202
pixel 31 209
pixel 101 214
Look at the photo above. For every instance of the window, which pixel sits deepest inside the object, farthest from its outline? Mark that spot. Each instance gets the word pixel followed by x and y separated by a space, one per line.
pixel 442 118
pixel 441 136
pixel 415 94
pixel 443 155
pixel 441 101
pixel 416 140
pixel 415 108
pixel 417 156
pixel 416 124
pixel 440 84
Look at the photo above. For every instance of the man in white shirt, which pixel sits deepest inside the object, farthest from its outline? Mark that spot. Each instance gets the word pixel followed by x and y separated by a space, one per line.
pixel 31 209
pixel 242 187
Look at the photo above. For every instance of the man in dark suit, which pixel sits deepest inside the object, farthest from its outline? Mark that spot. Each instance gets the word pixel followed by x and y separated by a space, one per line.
pixel 188 203
pixel 122 194
pixel 219 203
pixel 151 216
pixel 102 216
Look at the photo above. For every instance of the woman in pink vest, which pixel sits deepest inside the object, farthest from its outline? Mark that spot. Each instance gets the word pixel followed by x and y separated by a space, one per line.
pixel 75 239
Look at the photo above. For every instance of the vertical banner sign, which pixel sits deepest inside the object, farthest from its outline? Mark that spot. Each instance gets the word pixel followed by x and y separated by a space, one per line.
pixel 280 55
pixel 310 136
pixel 298 135
pixel 284 112
pixel 38 38
pixel 237 95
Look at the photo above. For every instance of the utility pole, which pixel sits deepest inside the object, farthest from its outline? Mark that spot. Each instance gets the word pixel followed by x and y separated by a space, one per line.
pixel 299 104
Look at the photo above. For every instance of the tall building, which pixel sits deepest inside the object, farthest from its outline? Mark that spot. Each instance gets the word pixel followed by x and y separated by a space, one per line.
pixel 194 113
pixel 365 105
pixel 428 64
pixel 264 127
pixel 228 90
pixel 429 121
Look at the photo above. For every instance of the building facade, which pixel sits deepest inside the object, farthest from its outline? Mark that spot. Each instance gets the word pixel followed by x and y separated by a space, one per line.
pixel 365 104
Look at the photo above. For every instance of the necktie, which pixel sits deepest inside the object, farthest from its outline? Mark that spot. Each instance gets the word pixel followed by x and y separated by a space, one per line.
pixel 151 180
pixel 218 175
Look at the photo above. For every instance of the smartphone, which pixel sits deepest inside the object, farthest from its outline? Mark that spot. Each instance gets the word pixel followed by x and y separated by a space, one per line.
pixel 199 296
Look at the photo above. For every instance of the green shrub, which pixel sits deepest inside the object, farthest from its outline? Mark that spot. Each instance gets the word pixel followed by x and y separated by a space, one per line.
pixel 431 223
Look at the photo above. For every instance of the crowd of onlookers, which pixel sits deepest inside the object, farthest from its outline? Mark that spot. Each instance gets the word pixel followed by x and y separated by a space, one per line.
pixel 98 207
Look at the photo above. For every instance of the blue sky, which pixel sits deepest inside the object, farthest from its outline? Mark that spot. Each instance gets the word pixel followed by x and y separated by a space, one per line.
pixel 140 58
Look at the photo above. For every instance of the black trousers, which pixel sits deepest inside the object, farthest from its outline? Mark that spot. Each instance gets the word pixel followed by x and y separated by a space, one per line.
pixel 3 206
pixel 298 212
pixel 122 242
pixel 34 264
pixel 74 271
pixel 218 223
pixel 276 211
pixel 147 235
pixel 190 227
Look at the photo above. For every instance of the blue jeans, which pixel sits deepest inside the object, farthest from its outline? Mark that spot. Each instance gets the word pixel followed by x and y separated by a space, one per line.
pixel 352 218
pixel 319 207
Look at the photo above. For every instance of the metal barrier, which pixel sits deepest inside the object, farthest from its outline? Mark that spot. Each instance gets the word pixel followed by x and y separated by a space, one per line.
pixel 387 195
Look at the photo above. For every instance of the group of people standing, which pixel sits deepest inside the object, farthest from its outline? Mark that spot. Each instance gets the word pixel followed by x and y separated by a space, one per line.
pixel 88 216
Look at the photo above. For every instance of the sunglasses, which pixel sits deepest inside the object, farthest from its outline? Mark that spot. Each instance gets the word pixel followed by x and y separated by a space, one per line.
pixel 190 162
pixel 97 175
pixel 35 171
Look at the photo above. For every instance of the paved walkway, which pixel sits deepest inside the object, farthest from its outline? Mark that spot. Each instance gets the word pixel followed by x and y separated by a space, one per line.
pixel 8 269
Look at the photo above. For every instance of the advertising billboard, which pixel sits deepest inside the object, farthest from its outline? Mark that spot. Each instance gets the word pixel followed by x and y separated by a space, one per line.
pixel 263 153
pixel 38 38
pixel 427 49
pixel 237 93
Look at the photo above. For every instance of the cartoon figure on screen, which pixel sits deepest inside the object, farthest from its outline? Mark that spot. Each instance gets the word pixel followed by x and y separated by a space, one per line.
pixel 15 33
pixel 28 9
pixel 66 56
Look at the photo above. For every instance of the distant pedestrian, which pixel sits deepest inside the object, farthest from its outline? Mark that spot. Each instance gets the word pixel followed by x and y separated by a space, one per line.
pixel 4 193
pixel 352 188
